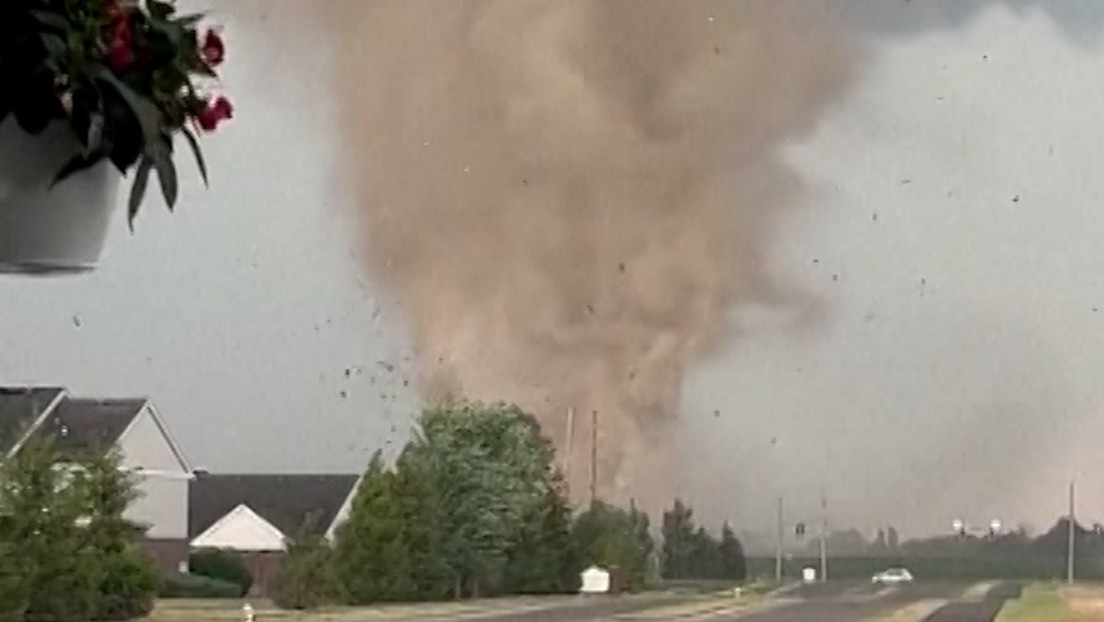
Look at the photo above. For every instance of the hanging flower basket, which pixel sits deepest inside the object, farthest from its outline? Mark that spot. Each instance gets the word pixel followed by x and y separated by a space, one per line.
pixel 92 91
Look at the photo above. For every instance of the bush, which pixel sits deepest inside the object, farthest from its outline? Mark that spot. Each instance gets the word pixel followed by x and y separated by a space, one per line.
pixel 195 586
pixel 306 578
pixel 223 565
pixel 129 584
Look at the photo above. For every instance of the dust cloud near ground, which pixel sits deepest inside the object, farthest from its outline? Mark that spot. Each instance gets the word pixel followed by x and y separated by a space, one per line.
pixel 568 198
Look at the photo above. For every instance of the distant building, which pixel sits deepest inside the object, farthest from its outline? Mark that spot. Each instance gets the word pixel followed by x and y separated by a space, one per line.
pixel 257 514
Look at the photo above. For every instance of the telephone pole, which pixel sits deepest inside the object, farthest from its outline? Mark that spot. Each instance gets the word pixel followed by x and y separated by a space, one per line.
pixel 1070 545
pixel 823 535
pixel 779 535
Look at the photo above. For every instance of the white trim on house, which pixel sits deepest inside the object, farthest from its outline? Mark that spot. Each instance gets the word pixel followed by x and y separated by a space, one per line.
pixel 253 533
pixel 148 407
pixel 62 394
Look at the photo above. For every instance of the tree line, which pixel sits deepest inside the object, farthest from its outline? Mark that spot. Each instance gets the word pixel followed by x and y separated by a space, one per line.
pixel 474 506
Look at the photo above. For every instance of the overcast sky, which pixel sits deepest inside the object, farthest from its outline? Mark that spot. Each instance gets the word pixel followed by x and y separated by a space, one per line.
pixel 952 230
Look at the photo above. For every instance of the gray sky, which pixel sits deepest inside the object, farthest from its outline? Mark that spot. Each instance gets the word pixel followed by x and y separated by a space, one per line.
pixel 951 230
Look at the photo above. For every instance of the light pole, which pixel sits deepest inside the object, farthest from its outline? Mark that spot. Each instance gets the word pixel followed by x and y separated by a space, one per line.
pixel 779 516
pixel 823 536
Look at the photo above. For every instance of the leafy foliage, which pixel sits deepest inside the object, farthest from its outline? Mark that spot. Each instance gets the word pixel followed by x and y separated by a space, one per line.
pixel 68 553
pixel 306 578
pixel 196 586
pixel 691 552
pixel 222 565
pixel 610 537
pixel 473 506
pixel 123 74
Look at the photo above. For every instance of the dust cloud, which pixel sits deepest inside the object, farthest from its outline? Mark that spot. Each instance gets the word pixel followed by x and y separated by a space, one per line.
pixel 569 198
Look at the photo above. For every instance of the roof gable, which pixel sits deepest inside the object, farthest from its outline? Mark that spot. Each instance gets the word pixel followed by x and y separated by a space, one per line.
pixel 20 407
pixel 285 501
pixel 241 529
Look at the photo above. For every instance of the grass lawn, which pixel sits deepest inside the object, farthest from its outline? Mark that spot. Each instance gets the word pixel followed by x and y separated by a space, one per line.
pixel 913 612
pixel 1040 602
pixel 200 610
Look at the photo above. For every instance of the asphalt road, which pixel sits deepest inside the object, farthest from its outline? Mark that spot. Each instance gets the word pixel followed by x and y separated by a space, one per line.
pixel 589 609
pixel 985 610
pixel 831 602
pixel 846 603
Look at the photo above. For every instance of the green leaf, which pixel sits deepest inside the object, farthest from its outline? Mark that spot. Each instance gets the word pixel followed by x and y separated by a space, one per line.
pixel 187 21
pixel 159 9
pixel 53 20
pixel 54 44
pixel 147 114
pixel 138 190
pixel 200 162
pixel 161 154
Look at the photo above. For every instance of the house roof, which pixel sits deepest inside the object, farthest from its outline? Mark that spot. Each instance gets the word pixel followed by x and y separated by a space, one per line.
pixel 19 408
pixel 77 424
pixel 285 501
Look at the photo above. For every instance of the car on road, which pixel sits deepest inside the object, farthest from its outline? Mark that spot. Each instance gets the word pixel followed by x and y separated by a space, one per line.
pixel 892 576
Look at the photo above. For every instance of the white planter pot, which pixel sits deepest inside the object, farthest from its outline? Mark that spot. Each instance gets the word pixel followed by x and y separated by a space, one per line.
pixel 47 230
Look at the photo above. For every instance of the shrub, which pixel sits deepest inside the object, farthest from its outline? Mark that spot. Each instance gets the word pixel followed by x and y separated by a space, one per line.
pixel 224 565
pixel 306 578
pixel 129 583
pixel 195 586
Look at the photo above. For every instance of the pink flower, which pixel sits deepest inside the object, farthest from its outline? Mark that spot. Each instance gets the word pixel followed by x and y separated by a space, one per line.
pixel 213 48
pixel 214 112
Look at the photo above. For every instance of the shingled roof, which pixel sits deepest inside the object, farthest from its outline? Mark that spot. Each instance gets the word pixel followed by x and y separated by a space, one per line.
pixel 78 424
pixel 286 501
pixel 19 408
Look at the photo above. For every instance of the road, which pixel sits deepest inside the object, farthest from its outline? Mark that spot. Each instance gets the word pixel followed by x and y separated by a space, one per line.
pixel 832 602
pixel 985 610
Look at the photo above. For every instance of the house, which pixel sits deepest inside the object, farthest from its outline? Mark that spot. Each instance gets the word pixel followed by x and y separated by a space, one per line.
pixel 257 514
pixel 136 429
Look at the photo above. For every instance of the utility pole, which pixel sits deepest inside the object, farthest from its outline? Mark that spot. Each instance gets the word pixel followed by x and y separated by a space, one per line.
pixel 1072 536
pixel 823 535
pixel 593 457
pixel 778 543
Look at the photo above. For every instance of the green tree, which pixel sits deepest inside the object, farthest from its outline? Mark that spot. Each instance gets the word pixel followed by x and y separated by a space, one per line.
pixel 68 553
pixel 128 577
pixel 306 579
pixel 371 550
pixel 680 543
pixel 705 556
pixel 608 536
pixel 543 558
pixel 486 467
pixel 733 563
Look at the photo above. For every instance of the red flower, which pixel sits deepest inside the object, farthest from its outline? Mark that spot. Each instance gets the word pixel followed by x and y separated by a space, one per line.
pixel 214 112
pixel 120 53
pixel 213 48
